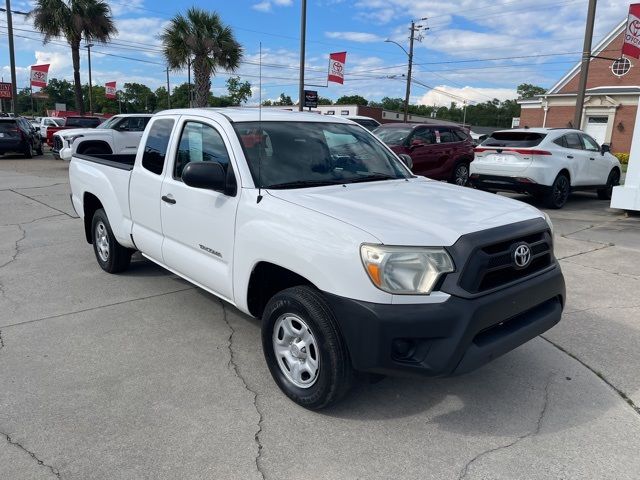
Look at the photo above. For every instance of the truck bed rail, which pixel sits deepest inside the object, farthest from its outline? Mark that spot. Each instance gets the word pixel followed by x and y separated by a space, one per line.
pixel 121 161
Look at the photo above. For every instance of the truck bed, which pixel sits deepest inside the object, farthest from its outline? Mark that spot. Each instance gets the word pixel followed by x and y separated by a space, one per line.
pixel 122 161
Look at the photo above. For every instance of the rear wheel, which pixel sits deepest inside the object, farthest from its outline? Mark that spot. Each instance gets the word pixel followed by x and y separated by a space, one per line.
pixel 559 192
pixel 112 257
pixel 28 150
pixel 460 175
pixel 612 181
pixel 39 150
pixel 303 347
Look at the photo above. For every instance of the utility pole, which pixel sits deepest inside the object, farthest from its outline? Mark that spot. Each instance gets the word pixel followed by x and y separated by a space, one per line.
pixel 189 80
pixel 303 34
pixel 89 45
pixel 12 59
pixel 168 90
pixel 584 69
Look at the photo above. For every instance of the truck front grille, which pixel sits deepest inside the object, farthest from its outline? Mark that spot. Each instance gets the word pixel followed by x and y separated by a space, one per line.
pixel 57 143
pixel 492 266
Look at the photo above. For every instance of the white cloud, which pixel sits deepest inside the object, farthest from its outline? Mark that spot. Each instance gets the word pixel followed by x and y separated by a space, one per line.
pixel 443 95
pixel 283 3
pixel 262 6
pixel 360 37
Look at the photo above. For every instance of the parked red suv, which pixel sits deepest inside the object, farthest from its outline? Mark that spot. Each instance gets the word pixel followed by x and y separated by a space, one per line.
pixel 441 152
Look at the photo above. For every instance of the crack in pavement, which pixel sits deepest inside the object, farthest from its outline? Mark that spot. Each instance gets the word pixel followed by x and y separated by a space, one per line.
pixel 606 307
pixel 590 251
pixel 42 186
pixel 31 221
pixel 42 203
pixel 598 374
pixel 565 235
pixel 233 366
pixel 98 307
pixel 623 275
pixel 16 246
pixel 1 341
pixel 31 454
pixel 535 431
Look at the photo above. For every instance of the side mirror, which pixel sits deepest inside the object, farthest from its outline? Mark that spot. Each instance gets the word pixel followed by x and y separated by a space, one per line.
pixel 605 148
pixel 208 176
pixel 407 160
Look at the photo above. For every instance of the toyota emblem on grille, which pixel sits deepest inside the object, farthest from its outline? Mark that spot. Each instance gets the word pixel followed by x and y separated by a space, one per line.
pixel 522 256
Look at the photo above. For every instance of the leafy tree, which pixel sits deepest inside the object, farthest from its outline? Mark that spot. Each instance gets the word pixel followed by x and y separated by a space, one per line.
pixel 324 101
pixel 138 98
pixel 526 90
pixel 59 91
pixel 202 39
pixel 352 100
pixel 179 96
pixel 239 92
pixel 283 100
pixel 161 98
pixel 76 20
pixel 267 103
pixel 101 104
pixel 221 101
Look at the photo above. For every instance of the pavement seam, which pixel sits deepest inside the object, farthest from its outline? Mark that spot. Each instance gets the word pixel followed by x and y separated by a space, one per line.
pixel 598 374
pixel 590 251
pixel 26 322
pixel 1 341
pixel 624 275
pixel 31 454
pixel 233 366
pixel 42 186
pixel 31 221
pixel 42 203
pixel 465 470
pixel 605 307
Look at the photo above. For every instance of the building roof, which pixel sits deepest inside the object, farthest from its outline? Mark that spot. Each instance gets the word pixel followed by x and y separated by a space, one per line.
pixel 599 48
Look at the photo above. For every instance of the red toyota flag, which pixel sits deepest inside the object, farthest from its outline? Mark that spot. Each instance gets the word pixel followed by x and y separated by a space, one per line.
pixel 39 75
pixel 110 90
pixel 336 66
pixel 631 45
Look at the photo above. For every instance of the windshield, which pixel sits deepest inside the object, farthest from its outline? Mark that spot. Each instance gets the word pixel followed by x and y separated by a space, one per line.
pixel 109 123
pixel 82 122
pixel 307 154
pixel 393 135
pixel 513 139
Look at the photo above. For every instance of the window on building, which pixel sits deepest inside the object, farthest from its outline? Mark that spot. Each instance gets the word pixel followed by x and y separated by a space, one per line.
pixel 621 67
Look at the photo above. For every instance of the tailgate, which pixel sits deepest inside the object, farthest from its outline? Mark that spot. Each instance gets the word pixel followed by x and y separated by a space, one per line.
pixel 502 161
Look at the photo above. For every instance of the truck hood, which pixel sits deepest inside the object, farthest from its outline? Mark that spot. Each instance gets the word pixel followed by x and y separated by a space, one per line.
pixel 82 131
pixel 417 212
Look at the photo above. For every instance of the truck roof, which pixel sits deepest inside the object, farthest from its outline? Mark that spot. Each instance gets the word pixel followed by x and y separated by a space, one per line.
pixel 253 114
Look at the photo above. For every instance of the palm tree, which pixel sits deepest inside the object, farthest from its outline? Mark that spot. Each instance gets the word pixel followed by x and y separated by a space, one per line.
pixel 74 20
pixel 202 40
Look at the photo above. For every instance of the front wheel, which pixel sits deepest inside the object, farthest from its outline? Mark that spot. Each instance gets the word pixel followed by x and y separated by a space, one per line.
pixel 460 175
pixel 303 348
pixel 559 192
pixel 111 256
pixel 612 181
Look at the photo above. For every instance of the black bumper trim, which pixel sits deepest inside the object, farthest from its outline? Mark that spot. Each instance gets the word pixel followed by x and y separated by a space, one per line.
pixel 452 337
pixel 496 183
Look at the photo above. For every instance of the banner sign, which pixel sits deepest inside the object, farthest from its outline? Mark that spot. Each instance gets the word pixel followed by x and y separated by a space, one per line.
pixel 631 44
pixel 110 90
pixel 39 75
pixel 5 90
pixel 310 98
pixel 336 67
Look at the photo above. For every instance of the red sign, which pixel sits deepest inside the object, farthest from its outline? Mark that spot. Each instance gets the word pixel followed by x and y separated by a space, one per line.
pixel 631 45
pixel 110 90
pixel 336 67
pixel 39 75
pixel 5 90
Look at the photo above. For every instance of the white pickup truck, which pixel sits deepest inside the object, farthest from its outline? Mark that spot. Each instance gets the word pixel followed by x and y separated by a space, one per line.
pixel 120 134
pixel 313 225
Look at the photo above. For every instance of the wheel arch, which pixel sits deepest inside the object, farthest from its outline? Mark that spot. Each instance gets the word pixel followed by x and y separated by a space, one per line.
pixel 87 144
pixel 90 203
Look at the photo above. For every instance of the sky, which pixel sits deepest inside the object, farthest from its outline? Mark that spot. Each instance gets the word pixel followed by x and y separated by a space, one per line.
pixel 473 50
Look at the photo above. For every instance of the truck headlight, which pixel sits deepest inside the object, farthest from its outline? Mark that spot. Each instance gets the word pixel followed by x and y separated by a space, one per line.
pixel 405 270
pixel 72 139
pixel 548 219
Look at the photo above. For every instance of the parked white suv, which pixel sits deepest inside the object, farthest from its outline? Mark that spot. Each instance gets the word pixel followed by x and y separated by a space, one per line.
pixel 120 134
pixel 548 163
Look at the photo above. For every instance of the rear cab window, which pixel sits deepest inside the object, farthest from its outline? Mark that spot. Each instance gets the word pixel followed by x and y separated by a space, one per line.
pixel 155 149
pixel 514 139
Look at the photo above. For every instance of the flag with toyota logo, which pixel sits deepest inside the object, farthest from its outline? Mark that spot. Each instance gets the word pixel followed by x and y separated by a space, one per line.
pixel 631 45
pixel 336 67
pixel 39 75
pixel 110 90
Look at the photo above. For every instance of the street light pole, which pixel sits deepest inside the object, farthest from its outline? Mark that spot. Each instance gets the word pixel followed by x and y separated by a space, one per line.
pixel 12 59
pixel 89 45
pixel 303 34
pixel 168 90
pixel 584 69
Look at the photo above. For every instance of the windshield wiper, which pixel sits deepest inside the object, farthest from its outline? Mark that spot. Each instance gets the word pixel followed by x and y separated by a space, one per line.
pixel 372 176
pixel 304 184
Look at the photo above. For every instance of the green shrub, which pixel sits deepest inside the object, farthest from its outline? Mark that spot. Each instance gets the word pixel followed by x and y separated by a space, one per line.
pixel 622 157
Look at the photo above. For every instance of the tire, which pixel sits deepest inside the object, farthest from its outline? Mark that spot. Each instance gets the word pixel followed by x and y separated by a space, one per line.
pixel 39 150
pixel 612 181
pixel 559 192
pixel 28 151
pixel 302 313
pixel 460 175
pixel 111 256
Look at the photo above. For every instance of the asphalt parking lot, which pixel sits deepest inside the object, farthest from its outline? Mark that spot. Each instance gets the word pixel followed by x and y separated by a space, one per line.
pixel 143 376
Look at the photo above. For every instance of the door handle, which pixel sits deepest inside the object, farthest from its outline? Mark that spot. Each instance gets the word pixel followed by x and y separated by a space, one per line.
pixel 170 200
pixel 569 156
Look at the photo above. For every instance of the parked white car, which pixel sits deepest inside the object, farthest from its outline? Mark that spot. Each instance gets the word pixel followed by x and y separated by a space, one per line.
pixel 310 223
pixel 548 163
pixel 120 134
pixel 367 122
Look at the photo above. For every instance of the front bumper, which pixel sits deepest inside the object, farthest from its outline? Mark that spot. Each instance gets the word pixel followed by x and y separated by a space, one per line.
pixel 452 337
pixel 499 183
